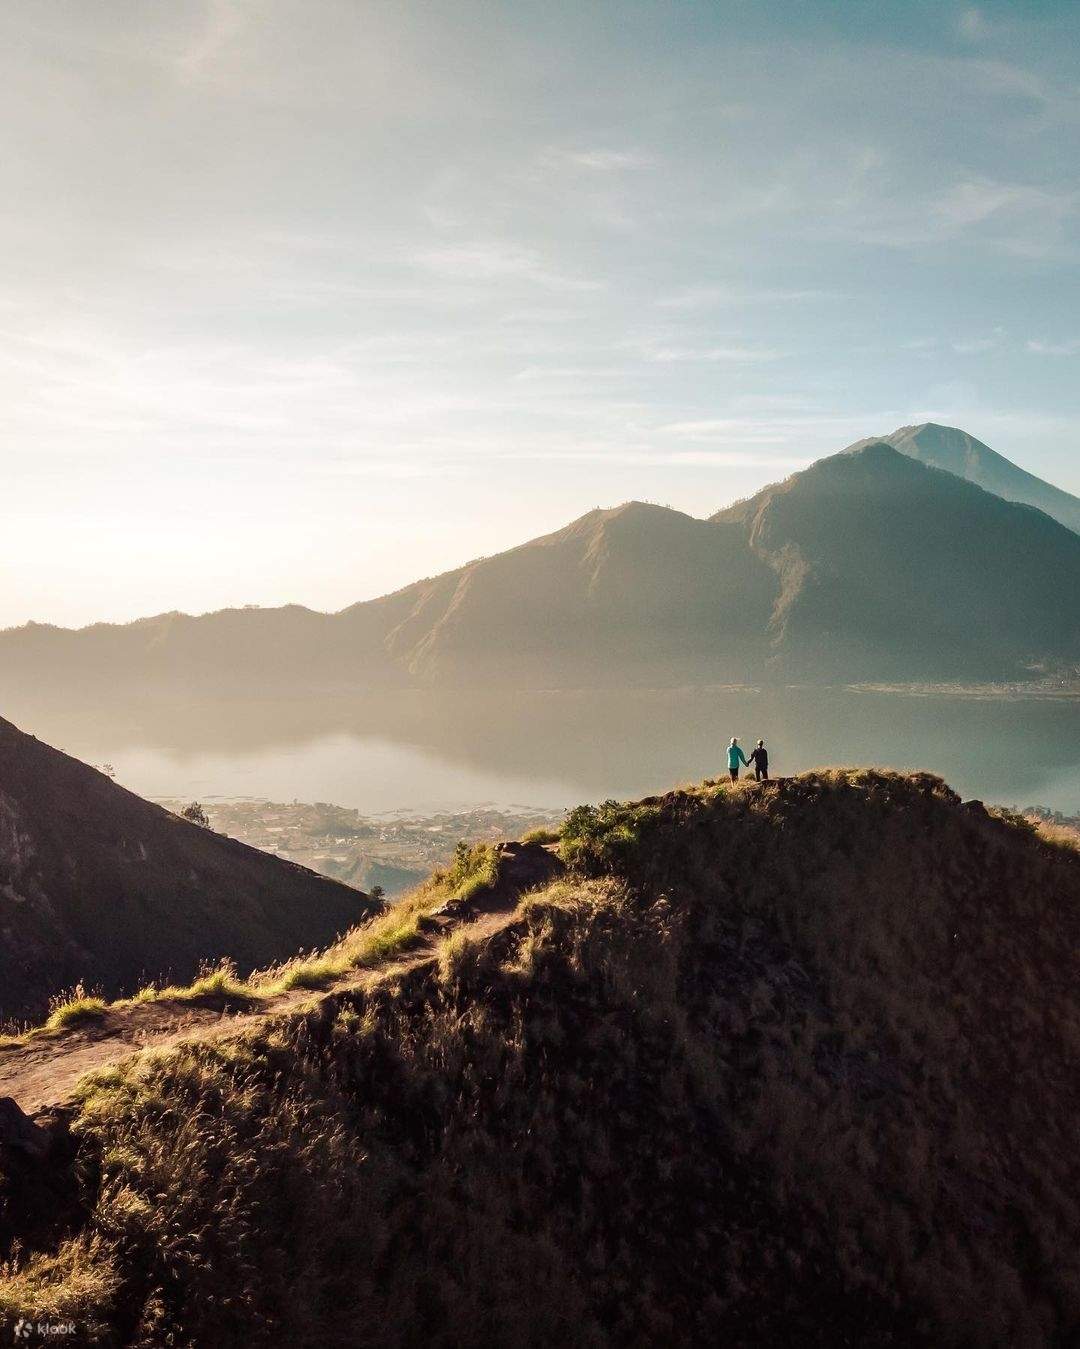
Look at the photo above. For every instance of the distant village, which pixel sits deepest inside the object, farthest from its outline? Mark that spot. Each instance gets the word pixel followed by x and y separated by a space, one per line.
pixel 394 852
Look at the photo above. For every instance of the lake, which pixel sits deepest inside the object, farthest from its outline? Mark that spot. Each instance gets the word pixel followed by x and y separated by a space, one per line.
pixel 423 751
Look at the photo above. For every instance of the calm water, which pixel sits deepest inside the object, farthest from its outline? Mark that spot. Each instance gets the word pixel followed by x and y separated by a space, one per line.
pixel 434 751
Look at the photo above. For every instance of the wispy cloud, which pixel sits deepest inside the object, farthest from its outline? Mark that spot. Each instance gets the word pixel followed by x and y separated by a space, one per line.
pixel 597 160
pixel 499 262
pixel 1020 218
pixel 975 346
pixel 1067 348
pixel 712 297
pixel 731 355
pixel 972 24
pixel 223 23
pixel 532 373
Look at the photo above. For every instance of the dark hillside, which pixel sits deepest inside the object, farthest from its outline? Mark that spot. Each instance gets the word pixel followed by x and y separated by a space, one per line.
pixel 100 886
pixel 887 566
pixel 790 1064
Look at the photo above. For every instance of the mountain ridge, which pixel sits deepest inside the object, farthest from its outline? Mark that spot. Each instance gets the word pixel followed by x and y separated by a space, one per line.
pixel 792 583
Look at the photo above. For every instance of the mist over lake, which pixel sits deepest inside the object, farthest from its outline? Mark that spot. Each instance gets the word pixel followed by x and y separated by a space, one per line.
pixel 423 750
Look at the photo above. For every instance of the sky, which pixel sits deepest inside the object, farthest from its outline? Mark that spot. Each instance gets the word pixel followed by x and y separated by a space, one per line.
pixel 303 300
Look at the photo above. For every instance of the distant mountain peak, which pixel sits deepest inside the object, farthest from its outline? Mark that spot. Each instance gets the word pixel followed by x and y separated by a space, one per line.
pixel 957 451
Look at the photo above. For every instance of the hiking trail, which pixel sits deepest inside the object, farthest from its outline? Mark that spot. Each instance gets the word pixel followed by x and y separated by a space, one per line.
pixel 40 1074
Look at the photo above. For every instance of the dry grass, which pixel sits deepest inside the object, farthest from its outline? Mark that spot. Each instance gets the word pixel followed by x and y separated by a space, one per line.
pixel 74 1009
pixel 794 1066
pixel 76 1284
pixel 1061 835
pixel 541 834
pixel 391 933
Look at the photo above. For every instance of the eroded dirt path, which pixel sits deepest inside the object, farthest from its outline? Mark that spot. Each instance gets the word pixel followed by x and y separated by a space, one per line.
pixel 42 1073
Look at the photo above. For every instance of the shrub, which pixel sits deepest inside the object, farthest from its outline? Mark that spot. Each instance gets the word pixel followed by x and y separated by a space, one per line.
pixel 605 838
pixel 74 1009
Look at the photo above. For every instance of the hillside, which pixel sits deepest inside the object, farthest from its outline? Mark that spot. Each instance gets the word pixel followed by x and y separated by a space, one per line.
pixel 100 886
pixel 886 565
pixel 867 566
pixel 957 452
pixel 786 1064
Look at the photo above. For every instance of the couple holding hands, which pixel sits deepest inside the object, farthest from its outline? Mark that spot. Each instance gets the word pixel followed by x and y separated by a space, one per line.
pixel 758 760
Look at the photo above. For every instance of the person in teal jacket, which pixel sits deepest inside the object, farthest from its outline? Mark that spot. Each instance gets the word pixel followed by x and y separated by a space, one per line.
pixel 735 756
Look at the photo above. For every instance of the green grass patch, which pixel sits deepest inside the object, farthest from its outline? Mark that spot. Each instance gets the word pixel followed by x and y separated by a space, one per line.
pixel 607 837
pixel 74 1009
pixel 542 834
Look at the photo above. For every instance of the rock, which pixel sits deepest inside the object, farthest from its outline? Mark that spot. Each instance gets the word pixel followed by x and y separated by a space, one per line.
pixel 18 1132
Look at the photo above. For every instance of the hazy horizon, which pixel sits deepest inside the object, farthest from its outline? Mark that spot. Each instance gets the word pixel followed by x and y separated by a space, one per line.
pixel 304 302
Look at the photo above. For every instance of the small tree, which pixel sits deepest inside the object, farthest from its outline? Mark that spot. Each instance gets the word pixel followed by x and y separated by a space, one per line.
pixel 378 894
pixel 195 814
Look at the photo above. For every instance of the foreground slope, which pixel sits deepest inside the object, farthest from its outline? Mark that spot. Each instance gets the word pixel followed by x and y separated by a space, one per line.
pixel 888 568
pixel 100 886
pixel 958 452
pixel 791 1063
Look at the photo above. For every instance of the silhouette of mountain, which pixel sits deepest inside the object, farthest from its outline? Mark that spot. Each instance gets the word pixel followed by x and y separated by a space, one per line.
pixel 889 568
pixel 955 451
pixel 100 886
pixel 867 565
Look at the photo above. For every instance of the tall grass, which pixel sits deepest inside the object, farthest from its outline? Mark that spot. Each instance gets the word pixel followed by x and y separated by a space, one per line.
pixel 799 1067
pixel 393 932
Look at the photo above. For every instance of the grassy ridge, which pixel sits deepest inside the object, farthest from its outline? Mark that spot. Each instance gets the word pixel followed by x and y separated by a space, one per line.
pixel 791 1064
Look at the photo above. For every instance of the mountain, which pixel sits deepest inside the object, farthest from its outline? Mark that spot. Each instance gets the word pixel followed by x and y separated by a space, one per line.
pixel 780 1065
pixel 955 451
pixel 101 887
pixel 889 569
pixel 634 594
pixel 867 565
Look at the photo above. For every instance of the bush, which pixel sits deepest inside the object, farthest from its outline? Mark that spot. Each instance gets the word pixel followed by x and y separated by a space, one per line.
pixel 605 838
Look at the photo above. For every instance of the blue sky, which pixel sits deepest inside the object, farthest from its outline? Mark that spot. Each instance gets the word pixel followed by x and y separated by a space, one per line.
pixel 306 299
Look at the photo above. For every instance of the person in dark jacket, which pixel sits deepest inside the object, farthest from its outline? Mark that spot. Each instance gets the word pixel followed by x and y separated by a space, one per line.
pixel 759 757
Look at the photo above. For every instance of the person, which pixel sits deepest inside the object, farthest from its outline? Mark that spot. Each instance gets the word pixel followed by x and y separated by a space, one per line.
pixel 735 756
pixel 759 757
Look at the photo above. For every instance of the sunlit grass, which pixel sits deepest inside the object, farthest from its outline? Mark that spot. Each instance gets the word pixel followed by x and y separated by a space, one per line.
pixel 74 1009
pixel 393 932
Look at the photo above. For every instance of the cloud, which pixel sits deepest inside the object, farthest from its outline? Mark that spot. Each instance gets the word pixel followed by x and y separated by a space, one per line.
pixel 1029 221
pixel 709 297
pixel 494 262
pixel 972 25
pixel 225 20
pixel 824 433
pixel 735 355
pixel 562 372
pixel 975 346
pixel 599 161
pixel 1069 348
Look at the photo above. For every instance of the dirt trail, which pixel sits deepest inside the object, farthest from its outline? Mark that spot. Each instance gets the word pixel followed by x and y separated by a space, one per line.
pixel 41 1074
